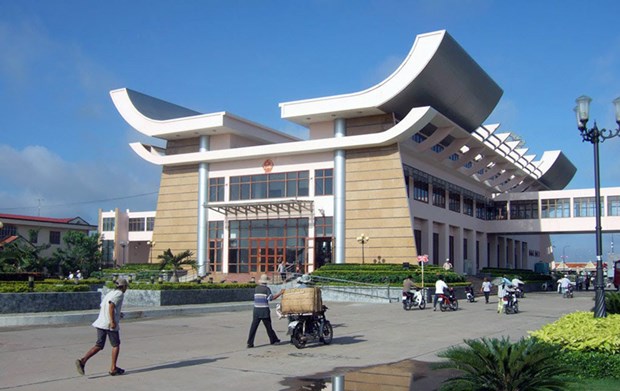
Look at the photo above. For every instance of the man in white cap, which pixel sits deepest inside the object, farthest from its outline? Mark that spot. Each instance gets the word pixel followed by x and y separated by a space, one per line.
pixel 262 297
pixel 107 325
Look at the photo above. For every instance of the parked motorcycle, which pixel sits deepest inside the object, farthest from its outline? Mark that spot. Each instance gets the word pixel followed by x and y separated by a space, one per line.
pixel 448 301
pixel 469 294
pixel 511 303
pixel 414 299
pixel 310 327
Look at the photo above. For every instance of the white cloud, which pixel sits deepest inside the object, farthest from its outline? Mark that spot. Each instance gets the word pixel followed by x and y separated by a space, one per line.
pixel 38 179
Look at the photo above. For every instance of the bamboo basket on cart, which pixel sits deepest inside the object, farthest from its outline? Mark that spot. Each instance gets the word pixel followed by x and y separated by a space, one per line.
pixel 301 301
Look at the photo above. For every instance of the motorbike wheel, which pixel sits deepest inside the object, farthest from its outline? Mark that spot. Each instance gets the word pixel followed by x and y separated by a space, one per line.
pixel 515 308
pixel 443 306
pixel 422 304
pixel 454 305
pixel 328 333
pixel 407 304
pixel 297 338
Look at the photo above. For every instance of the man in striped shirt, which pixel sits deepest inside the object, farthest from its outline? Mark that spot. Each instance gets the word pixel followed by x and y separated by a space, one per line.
pixel 262 297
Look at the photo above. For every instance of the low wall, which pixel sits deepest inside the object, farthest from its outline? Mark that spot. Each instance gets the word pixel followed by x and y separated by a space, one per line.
pixel 47 302
pixel 148 298
pixel 11 303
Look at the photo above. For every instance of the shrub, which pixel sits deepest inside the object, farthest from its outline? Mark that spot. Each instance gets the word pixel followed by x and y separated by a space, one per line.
pixel 499 365
pixel 581 331
pixel 612 302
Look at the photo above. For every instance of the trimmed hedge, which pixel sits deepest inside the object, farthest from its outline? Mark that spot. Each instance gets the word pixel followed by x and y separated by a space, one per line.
pixel 167 286
pixel 394 274
pixel 526 275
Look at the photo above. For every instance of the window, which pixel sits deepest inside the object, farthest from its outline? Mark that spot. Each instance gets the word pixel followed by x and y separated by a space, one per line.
pixel 251 187
pixel 584 207
pixel 136 224
pixel 481 210
pixel 8 230
pixel 259 245
pixel 34 236
pixel 54 237
pixel 420 187
pixel 150 223
pixel 323 226
pixel 454 202
pixel 555 208
pixel 324 182
pixel 468 206
pixel 613 206
pixel 439 195
pixel 216 189
pixel 108 224
pixel 524 210
pixel 216 245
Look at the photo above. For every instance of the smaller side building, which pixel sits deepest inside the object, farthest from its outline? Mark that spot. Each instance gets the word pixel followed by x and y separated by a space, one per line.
pixel 127 237
pixel 41 230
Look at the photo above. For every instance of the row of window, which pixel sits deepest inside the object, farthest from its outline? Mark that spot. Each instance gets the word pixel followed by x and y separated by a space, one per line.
pixel 33 234
pixel 278 185
pixel 560 208
pixel 459 199
pixel 136 224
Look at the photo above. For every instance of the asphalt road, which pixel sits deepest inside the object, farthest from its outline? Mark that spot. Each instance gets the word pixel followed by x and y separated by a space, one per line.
pixel 208 351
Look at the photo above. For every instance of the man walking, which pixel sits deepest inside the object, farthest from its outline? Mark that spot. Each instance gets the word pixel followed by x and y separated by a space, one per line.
pixel 262 297
pixel 107 325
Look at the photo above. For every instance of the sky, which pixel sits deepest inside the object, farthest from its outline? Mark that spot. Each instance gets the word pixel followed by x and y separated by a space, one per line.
pixel 64 148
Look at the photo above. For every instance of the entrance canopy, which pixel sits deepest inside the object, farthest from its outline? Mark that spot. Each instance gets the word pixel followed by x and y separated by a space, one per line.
pixel 277 207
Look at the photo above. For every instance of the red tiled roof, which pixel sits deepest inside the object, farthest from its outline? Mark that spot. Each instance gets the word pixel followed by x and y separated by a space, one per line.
pixel 67 220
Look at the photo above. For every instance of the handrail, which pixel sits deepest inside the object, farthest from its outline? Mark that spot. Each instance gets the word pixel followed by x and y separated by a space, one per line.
pixel 352 287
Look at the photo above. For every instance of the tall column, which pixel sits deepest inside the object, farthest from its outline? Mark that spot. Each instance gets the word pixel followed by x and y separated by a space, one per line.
pixel 203 215
pixel 340 129
pixel 458 263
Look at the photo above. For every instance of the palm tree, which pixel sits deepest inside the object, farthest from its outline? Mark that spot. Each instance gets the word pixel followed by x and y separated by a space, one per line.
pixel 499 365
pixel 176 261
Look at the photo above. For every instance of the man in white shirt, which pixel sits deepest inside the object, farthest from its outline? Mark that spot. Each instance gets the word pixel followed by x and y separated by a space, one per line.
pixel 440 288
pixel 107 325
pixel 563 283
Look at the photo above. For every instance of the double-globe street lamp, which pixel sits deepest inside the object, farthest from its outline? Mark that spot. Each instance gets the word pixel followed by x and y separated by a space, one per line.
pixel 595 136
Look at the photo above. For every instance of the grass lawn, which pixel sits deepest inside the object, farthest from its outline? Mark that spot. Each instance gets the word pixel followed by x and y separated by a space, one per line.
pixel 605 384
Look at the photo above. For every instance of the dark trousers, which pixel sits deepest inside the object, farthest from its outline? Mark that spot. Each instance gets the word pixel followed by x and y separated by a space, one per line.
pixel 273 338
pixel 486 296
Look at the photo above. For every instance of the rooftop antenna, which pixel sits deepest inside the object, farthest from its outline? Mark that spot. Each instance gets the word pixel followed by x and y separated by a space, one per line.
pixel 40 199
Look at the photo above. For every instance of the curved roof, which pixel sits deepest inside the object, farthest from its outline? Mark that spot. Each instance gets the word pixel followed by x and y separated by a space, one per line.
pixel 157 118
pixel 437 72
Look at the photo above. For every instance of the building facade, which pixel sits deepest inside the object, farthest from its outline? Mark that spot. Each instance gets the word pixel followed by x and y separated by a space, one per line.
pixel 401 169
pixel 41 231
pixel 126 237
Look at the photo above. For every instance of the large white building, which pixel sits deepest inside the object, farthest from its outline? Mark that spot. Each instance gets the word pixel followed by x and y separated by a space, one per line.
pixel 407 163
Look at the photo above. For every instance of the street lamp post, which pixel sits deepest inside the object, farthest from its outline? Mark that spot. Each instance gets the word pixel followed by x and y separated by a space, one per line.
pixel 596 136
pixel 363 239
pixel 564 253
pixel 151 244
pixel 123 245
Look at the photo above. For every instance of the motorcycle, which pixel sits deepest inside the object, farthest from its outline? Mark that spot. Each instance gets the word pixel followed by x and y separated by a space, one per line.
pixel 414 299
pixel 511 303
pixel 448 301
pixel 568 292
pixel 310 327
pixel 519 293
pixel 469 294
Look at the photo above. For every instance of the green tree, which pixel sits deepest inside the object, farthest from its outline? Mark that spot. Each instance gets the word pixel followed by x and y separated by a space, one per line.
pixel 81 251
pixel 21 255
pixel 168 259
pixel 499 365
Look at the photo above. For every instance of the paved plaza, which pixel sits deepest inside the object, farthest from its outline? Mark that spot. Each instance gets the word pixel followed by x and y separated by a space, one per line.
pixel 207 350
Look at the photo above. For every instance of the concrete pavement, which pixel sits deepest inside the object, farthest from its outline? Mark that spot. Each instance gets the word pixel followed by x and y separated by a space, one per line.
pixel 206 350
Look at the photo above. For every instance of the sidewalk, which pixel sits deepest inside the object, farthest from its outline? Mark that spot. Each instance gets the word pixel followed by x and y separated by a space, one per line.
pixel 204 347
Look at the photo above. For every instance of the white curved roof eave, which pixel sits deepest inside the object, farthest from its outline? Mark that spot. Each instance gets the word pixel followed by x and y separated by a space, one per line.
pixel 416 120
pixel 371 98
pixel 186 123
